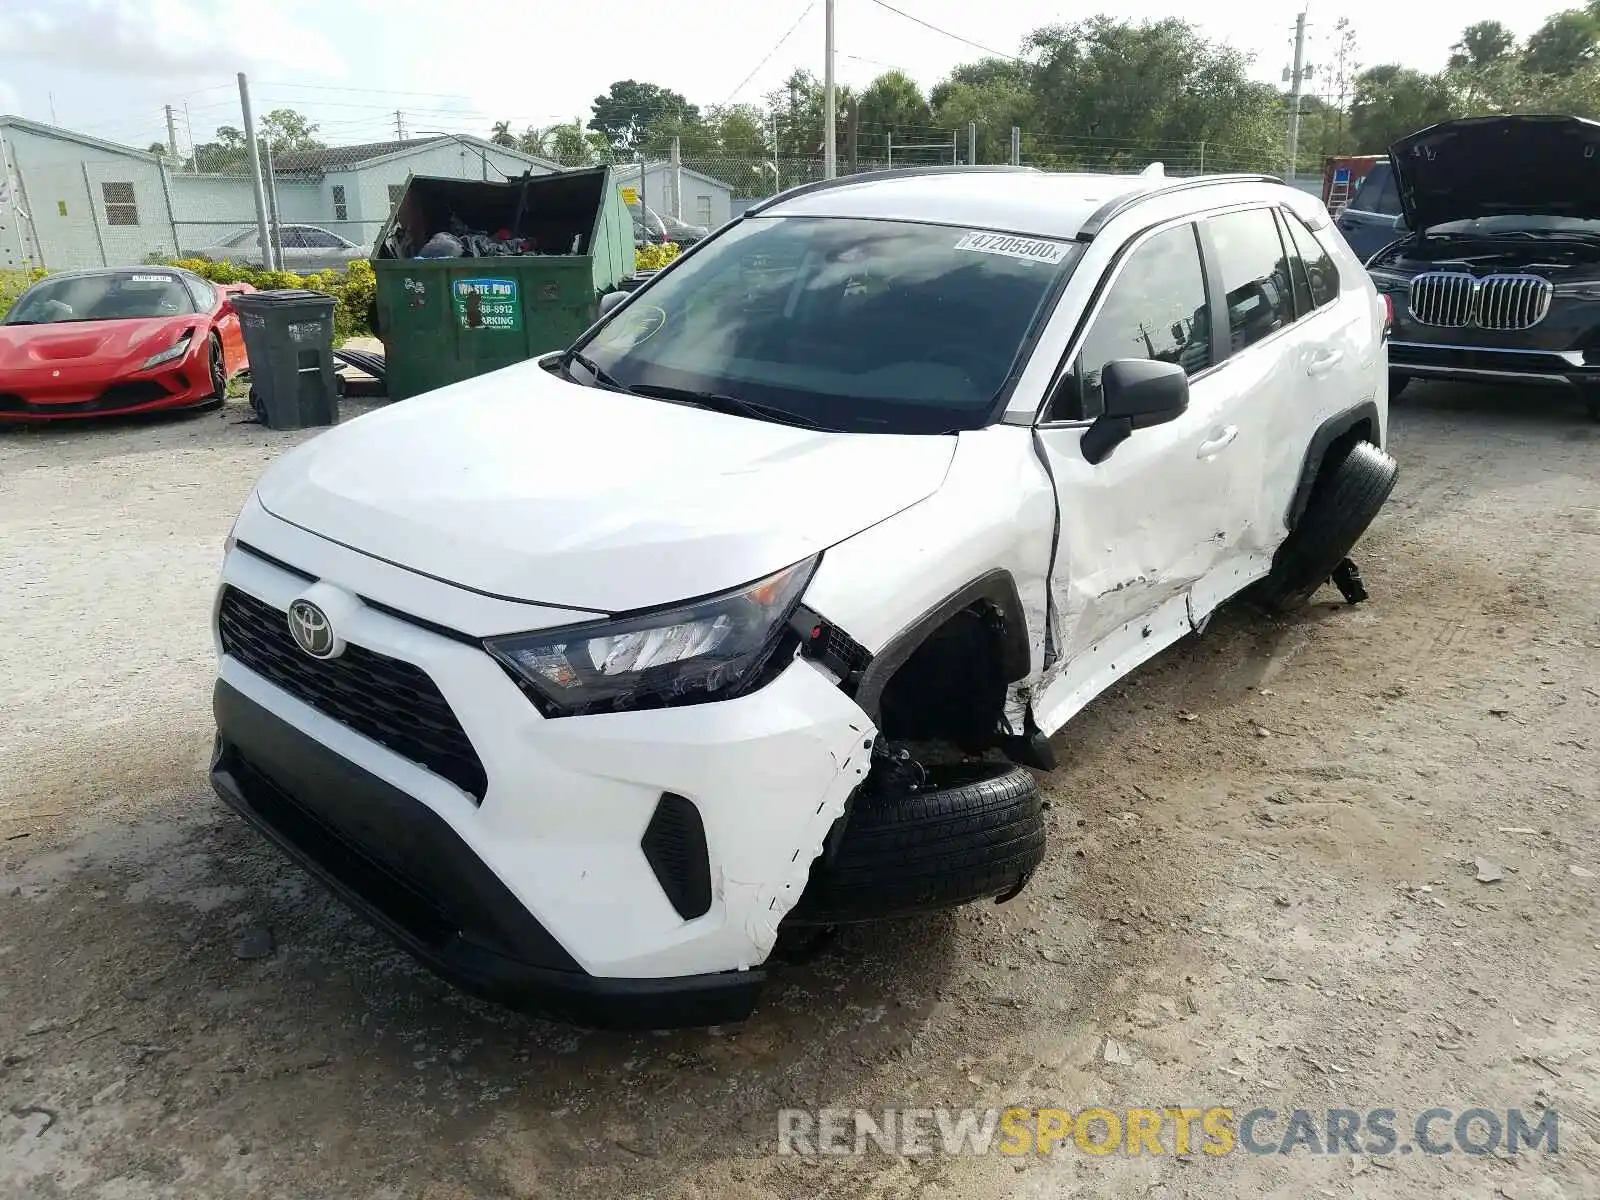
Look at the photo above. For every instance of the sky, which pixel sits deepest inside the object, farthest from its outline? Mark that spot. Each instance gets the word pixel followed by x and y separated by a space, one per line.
pixel 107 67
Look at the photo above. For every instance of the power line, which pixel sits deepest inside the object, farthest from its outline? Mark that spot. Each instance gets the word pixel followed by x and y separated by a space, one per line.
pixel 966 41
pixel 778 45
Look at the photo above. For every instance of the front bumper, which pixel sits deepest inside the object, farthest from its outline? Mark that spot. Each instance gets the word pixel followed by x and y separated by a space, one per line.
pixel 547 869
pixel 1484 364
pixel 401 866
pixel 78 393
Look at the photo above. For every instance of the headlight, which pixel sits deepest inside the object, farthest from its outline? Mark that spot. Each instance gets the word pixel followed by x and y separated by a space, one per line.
pixel 1387 281
pixel 707 649
pixel 166 356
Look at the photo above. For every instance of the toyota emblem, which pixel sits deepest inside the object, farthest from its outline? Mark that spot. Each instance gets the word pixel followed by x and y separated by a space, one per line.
pixel 312 630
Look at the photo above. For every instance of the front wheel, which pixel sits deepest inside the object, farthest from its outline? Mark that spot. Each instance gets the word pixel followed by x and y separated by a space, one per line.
pixel 217 366
pixel 970 831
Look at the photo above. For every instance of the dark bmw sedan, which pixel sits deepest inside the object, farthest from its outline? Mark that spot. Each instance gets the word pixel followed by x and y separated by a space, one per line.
pixel 1500 280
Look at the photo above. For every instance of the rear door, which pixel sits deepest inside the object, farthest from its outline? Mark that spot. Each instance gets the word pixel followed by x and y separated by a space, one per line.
pixel 1267 363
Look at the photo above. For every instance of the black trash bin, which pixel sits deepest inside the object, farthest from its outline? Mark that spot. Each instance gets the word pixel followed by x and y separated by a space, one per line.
pixel 289 337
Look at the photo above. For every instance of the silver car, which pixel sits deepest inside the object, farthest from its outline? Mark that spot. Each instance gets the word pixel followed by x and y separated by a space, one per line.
pixel 306 248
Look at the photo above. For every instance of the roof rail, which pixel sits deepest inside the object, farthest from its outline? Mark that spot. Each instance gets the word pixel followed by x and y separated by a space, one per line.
pixel 1118 205
pixel 822 185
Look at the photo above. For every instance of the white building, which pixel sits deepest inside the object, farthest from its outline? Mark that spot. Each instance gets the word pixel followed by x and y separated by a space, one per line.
pixel 684 193
pixel 76 201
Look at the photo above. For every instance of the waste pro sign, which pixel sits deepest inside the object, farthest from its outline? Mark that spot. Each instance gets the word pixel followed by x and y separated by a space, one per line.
pixel 488 304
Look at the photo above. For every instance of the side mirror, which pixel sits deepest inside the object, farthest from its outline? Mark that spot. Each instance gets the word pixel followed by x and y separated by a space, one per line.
pixel 1139 393
pixel 610 300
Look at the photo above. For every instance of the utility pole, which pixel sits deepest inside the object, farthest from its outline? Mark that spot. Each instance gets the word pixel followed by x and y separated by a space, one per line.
pixel 830 131
pixel 1297 80
pixel 677 176
pixel 399 126
pixel 853 137
pixel 274 223
pixel 972 143
pixel 255 173
pixel 172 134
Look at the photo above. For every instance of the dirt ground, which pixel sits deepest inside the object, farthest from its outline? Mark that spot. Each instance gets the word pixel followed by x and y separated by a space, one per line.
pixel 1262 885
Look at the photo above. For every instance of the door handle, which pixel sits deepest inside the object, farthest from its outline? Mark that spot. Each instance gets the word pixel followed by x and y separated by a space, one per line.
pixel 1324 362
pixel 1215 445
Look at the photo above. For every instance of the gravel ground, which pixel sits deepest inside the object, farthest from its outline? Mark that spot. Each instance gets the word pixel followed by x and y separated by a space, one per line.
pixel 1262 886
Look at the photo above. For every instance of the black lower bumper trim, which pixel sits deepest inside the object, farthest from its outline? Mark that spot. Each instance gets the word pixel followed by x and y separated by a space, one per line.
pixel 401 866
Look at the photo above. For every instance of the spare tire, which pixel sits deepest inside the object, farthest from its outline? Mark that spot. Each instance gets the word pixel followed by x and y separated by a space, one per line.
pixel 971 831
pixel 1349 491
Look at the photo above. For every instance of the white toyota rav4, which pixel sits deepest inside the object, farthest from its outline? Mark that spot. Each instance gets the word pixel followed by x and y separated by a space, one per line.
pixel 755 607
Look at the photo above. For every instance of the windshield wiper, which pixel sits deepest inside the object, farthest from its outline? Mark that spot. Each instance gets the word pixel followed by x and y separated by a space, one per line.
pixel 733 405
pixel 599 374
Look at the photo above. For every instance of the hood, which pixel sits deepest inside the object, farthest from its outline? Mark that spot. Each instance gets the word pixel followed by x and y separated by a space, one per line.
pixel 522 485
pixel 1483 166
pixel 24 347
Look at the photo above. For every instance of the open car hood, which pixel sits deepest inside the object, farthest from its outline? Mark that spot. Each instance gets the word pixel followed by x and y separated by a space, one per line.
pixel 1485 166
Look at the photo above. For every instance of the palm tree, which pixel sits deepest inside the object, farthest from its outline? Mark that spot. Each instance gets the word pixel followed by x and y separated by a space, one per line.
pixel 501 135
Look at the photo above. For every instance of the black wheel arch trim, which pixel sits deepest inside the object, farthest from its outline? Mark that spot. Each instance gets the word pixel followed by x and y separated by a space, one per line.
pixel 1329 432
pixel 998 588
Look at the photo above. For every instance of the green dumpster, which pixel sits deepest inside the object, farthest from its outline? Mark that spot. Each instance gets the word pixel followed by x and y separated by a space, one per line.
pixel 529 259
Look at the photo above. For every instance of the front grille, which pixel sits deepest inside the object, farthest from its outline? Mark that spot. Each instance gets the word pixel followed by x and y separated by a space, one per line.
pixel 392 702
pixel 1513 301
pixel 1454 300
pixel 1444 298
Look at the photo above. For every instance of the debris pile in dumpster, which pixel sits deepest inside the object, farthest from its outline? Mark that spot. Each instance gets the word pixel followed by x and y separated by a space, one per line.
pixel 531 216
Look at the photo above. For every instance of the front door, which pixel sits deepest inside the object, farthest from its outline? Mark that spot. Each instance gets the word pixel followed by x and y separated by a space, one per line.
pixel 1141 528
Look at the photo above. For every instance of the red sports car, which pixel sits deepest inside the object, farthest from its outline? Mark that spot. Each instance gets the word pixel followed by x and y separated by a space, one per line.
pixel 118 340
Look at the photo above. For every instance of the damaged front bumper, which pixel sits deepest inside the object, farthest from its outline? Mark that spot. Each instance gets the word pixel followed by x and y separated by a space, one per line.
pixel 621 870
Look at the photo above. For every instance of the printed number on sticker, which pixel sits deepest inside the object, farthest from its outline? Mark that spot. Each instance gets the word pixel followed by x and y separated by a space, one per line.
pixel 1032 249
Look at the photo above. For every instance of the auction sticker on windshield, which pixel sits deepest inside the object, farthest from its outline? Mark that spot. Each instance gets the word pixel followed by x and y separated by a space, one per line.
pixel 487 304
pixel 1038 250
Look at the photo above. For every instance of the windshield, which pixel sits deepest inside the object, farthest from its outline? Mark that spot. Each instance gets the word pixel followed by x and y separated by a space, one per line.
pixel 847 324
pixel 112 296
pixel 1515 223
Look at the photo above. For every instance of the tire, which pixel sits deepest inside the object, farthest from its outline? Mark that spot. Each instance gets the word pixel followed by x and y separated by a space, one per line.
pixel 1349 491
pixel 974 831
pixel 1397 383
pixel 217 366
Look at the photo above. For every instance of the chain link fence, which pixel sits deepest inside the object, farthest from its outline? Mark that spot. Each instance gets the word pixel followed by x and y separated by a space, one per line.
pixel 76 201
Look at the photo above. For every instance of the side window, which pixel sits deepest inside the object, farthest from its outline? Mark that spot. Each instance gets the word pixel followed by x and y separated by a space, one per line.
pixel 1321 275
pixel 121 205
pixel 1155 309
pixel 290 237
pixel 1255 274
pixel 319 239
pixel 1297 268
pixel 205 296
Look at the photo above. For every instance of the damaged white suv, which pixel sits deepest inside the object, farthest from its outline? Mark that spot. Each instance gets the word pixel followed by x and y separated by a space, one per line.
pixel 755 607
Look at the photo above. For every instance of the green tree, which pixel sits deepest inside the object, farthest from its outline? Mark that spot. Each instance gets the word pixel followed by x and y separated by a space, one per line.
pixel 1392 101
pixel 500 134
pixel 893 101
pixel 1483 44
pixel 1566 42
pixel 288 131
pixel 1120 94
pixel 628 110
pixel 993 94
